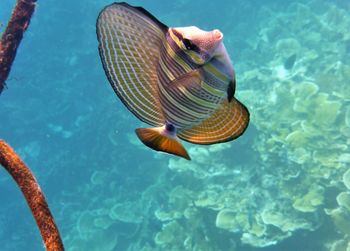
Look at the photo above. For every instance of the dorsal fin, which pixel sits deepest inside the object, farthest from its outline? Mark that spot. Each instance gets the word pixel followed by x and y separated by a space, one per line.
pixel 162 26
pixel 129 44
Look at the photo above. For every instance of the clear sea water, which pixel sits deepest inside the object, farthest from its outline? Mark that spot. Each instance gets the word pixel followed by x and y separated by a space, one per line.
pixel 279 187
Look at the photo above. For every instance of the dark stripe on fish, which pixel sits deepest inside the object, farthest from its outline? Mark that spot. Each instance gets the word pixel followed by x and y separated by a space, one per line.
pixel 171 64
pixel 179 52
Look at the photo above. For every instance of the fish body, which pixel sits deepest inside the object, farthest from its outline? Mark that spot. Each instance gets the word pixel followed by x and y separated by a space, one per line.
pixel 179 80
pixel 190 88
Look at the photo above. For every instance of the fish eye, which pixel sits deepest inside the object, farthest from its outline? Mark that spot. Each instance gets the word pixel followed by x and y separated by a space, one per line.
pixel 189 45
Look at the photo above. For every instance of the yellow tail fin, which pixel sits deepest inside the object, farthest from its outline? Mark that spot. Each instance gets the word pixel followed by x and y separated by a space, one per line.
pixel 158 140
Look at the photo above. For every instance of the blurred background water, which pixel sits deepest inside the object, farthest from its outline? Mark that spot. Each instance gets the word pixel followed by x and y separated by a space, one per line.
pixel 283 185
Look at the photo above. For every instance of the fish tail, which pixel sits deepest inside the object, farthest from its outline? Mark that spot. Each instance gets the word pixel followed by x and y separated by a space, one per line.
pixel 160 140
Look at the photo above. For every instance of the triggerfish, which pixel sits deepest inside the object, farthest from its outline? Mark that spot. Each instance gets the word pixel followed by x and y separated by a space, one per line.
pixel 179 80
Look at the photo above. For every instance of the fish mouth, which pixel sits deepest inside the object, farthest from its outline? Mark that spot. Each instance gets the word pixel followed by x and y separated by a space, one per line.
pixel 217 35
pixel 212 44
pixel 215 39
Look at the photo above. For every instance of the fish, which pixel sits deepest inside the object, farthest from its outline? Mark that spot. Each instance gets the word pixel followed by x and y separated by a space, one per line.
pixel 290 61
pixel 180 81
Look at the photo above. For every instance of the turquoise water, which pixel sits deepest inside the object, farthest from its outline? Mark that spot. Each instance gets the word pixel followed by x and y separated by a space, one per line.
pixel 282 186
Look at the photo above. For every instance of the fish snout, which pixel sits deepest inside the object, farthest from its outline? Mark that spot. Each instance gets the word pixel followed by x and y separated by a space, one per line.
pixel 217 35
pixel 215 41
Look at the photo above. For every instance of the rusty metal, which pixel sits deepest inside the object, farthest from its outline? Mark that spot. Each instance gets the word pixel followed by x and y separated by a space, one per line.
pixel 34 196
pixel 9 43
pixel 13 35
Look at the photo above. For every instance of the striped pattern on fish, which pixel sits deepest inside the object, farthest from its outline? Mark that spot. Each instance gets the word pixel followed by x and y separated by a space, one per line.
pixel 186 107
pixel 123 58
pixel 179 80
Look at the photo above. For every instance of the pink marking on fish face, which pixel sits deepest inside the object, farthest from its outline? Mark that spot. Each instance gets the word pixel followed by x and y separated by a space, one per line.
pixel 207 45
pixel 205 42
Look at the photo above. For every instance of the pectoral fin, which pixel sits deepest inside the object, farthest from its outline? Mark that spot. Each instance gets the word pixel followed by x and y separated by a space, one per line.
pixel 189 80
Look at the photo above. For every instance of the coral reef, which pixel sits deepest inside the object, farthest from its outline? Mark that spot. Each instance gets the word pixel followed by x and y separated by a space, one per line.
pixel 300 147
pixel 341 216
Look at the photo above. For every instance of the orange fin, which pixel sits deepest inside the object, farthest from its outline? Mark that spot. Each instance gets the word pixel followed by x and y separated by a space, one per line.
pixel 159 140
pixel 228 122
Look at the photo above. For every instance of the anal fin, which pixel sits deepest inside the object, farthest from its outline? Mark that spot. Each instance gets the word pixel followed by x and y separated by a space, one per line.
pixel 228 122
pixel 159 140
